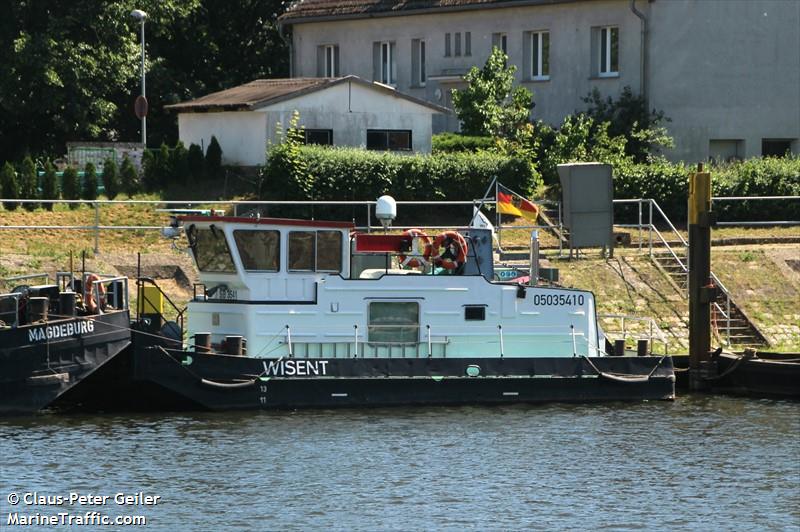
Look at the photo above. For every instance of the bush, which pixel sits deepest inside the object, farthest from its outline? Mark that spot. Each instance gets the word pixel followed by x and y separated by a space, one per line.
pixel 455 142
pixel 129 177
pixel 110 178
pixel 89 182
pixel 8 186
pixel 49 185
pixel 155 168
pixel 195 161
pixel 179 165
pixel 214 159
pixel 70 186
pixel 28 183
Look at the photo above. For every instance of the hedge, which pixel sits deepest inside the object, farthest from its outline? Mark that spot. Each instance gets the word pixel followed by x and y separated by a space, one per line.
pixel 667 183
pixel 456 142
pixel 324 173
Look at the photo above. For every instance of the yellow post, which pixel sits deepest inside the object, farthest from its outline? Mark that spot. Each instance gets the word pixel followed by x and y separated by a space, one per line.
pixel 699 194
pixel 151 301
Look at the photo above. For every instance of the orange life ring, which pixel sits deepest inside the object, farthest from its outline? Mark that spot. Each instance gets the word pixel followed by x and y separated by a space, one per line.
pixel 88 294
pixel 450 250
pixel 416 257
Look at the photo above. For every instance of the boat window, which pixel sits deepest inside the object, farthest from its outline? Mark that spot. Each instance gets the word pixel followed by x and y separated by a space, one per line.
pixel 319 251
pixel 475 313
pixel 329 251
pixel 211 250
pixel 393 322
pixel 259 250
pixel 301 251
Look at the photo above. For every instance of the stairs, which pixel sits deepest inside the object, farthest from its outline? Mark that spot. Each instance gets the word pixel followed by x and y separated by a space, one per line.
pixel 675 269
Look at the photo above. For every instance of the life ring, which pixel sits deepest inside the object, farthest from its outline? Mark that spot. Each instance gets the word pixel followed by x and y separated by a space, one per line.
pixel 449 250
pixel 88 294
pixel 416 257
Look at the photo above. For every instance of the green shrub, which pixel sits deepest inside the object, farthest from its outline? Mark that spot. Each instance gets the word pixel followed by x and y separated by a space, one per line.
pixel 129 177
pixel 195 162
pixel 110 178
pixel 70 186
pixel 455 142
pixel 28 183
pixel 9 188
pixel 214 159
pixel 49 185
pixel 89 191
pixel 154 168
pixel 179 165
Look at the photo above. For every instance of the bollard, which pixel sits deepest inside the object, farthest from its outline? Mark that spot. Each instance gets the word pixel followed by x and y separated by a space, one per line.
pixel 642 348
pixel 233 345
pixel 202 342
pixel 619 348
pixel 66 304
pixel 37 309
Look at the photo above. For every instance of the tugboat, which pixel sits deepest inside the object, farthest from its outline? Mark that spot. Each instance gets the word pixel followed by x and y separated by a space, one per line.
pixel 299 313
pixel 53 336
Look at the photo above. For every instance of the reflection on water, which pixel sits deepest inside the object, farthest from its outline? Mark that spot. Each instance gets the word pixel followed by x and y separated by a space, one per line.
pixel 710 462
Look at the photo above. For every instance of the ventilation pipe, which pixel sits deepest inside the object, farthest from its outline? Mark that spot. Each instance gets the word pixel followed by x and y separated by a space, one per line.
pixel 643 56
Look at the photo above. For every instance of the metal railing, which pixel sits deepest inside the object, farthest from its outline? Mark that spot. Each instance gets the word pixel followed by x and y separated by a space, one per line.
pixel 653 330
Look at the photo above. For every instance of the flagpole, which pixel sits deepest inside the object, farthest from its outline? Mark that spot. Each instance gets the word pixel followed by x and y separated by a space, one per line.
pixel 497 216
pixel 483 200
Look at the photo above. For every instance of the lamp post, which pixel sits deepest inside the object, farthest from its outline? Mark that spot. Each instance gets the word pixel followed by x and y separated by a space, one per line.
pixel 141 102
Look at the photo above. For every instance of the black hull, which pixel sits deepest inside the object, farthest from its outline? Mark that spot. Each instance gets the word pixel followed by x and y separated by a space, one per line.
pixel 221 382
pixel 41 362
pixel 761 377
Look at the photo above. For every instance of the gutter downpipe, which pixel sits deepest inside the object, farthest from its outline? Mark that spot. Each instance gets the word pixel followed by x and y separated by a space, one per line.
pixel 291 47
pixel 643 56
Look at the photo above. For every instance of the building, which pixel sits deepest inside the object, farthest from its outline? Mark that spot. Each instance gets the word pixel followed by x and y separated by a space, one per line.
pixel 343 111
pixel 726 72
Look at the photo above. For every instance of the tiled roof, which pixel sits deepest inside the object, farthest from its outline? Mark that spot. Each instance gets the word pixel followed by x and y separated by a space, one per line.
pixel 262 92
pixel 307 10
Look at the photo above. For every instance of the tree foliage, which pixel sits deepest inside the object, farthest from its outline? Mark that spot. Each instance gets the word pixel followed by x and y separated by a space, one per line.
pixel 110 178
pixel 89 182
pixel 9 188
pixel 195 162
pixel 70 186
pixel 28 183
pixel 214 159
pixel 490 105
pixel 49 185
pixel 129 177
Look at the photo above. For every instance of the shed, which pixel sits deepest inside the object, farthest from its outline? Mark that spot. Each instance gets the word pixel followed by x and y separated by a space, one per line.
pixel 345 111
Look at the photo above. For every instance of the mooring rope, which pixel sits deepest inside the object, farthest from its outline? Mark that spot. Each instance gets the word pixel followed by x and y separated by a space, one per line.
pixel 623 377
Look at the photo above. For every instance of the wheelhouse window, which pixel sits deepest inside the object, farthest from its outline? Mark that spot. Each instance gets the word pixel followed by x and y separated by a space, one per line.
pixel 608 60
pixel 259 251
pixel 319 251
pixel 395 322
pixel 540 55
pixel 322 137
pixel 389 139
pixel 210 249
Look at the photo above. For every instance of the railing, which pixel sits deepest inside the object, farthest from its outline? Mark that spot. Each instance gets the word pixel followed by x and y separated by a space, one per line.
pixel 14 313
pixel 654 331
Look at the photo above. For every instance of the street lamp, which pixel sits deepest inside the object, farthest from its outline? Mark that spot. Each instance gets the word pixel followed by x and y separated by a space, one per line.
pixel 141 102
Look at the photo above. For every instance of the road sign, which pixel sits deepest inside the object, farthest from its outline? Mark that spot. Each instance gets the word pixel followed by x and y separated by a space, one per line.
pixel 140 107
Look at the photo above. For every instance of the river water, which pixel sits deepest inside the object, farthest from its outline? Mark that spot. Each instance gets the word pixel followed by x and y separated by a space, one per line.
pixel 701 462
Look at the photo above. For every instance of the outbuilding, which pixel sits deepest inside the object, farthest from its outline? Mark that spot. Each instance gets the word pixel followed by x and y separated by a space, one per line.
pixel 345 111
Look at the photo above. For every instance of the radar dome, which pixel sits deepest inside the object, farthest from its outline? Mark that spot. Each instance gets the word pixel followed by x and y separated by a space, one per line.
pixel 386 210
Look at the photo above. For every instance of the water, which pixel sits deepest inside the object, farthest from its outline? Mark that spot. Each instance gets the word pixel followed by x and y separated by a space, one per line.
pixel 711 463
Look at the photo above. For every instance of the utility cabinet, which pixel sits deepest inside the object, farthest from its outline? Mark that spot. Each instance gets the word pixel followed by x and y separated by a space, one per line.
pixel 588 204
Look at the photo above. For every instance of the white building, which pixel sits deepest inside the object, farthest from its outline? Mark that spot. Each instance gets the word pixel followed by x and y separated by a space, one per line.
pixel 346 111
pixel 727 72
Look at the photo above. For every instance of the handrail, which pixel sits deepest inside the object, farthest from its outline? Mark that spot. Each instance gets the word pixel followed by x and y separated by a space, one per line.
pixel 654 329
pixel 16 297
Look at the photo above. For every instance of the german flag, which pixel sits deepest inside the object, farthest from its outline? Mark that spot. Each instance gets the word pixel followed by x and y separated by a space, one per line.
pixel 509 202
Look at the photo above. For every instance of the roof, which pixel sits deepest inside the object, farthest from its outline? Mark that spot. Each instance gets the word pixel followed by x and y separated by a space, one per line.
pixel 267 221
pixel 264 92
pixel 320 10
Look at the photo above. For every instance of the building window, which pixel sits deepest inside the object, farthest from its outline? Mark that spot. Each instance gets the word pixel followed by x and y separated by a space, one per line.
pixel 323 137
pixel 328 61
pixel 260 251
pixel 775 147
pixel 724 150
pixel 500 40
pixel 384 64
pixel 467 43
pixel 418 72
pixel 447 45
pixel 540 55
pixel 319 251
pixel 458 44
pixel 394 322
pixel 389 139
pixel 608 57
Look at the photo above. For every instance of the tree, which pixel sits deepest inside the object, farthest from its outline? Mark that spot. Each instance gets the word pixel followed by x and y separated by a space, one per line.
pixel 129 177
pixel 28 183
pixel 286 175
pixel 214 159
pixel 195 162
pixel 49 185
pixel 70 186
pixel 628 116
pixel 89 182
pixel 179 164
pixel 490 105
pixel 110 178
pixel 8 186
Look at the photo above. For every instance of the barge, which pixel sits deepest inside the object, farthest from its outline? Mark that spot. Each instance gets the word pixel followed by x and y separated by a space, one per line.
pixel 305 313
pixel 54 336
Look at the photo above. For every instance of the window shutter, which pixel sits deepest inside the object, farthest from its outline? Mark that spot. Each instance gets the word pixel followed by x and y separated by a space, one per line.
pixel 415 66
pixel 527 56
